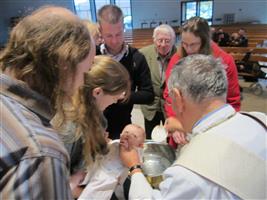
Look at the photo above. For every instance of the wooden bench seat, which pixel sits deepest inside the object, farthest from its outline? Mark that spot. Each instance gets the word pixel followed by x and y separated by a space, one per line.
pixel 252 58
pixel 256 34
pixel 237 49
pixel 256 55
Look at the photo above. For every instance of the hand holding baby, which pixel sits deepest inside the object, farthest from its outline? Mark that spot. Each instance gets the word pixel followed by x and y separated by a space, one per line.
pixel 132 137
pixel 175 130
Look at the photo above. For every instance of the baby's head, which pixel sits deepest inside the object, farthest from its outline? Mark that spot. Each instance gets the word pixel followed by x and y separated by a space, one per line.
pixel 138 134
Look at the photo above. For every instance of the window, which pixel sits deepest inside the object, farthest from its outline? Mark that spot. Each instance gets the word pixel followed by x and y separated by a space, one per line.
pixel 125 6
pixel 100 3
pixel 83 9
pixel 190 10
pixel 87 9
pixel 197 8
pixel 205 10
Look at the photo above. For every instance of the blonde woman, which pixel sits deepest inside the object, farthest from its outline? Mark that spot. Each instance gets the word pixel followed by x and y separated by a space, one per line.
pixel 83 124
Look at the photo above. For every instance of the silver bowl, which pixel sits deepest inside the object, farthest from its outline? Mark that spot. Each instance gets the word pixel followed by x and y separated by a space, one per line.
pixel 156 158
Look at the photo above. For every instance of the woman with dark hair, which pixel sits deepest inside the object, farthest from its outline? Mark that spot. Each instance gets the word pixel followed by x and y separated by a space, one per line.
pixel 195 39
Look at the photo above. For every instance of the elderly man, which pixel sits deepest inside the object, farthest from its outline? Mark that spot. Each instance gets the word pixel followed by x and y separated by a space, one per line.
pixel 226 155
pixel 158 56
pixel 110 19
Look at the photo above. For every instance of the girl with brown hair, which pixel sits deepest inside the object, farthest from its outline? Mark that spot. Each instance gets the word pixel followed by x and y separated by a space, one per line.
pixel 83 124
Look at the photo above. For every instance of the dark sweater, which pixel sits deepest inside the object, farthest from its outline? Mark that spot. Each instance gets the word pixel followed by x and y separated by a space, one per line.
pixel 119 115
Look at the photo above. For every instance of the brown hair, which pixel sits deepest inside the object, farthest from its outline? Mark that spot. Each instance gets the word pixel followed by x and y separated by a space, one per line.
pixel 41 44
pixel 200 28
pixel 113 78
pixel 93 28
pixel 111 14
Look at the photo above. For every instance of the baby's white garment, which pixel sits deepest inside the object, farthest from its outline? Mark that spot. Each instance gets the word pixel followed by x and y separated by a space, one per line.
pixel 102 179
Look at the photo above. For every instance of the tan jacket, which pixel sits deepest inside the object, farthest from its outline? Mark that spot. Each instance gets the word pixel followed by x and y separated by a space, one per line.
pixel 158 83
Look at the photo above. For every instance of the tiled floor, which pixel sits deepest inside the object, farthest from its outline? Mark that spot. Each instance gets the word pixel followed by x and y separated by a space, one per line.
pixel 250 102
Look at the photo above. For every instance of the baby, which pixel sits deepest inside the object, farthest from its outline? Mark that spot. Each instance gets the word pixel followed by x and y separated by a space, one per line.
pixel 109 174
pixel 137 134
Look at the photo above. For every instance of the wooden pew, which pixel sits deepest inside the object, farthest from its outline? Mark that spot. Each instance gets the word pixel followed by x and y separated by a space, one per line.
pixel 256 34
pixel 256 55
pixel 252 58
pixel 237 49
pixel 139 38
pixel 242 50
pixel 259 51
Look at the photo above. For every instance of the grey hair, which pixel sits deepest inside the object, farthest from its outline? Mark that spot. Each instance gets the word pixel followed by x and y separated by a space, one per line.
pixel 199 77
pixel 111 14
pixel 164 28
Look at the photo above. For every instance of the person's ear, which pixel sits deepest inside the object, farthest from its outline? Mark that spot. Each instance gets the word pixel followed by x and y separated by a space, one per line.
pixel 178 100
pixel 97 92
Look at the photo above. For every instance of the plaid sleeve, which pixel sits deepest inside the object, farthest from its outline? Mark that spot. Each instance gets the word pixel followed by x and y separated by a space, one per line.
pixel 36 178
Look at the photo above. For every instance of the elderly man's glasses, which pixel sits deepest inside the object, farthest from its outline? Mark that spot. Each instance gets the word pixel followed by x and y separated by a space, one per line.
pixel 161 41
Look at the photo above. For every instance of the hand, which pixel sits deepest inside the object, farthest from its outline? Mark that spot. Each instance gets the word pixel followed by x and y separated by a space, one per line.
pixel 128 140
pixel 124 141
pixel 106 134
pixel 179 137
pixel 128 154
pixel 172 124
pixel 75 180
pixel 175 130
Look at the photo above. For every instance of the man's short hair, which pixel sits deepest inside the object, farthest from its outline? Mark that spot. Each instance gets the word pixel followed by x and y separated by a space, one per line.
pixel 199 77
pixel 111 14
pixel 164 28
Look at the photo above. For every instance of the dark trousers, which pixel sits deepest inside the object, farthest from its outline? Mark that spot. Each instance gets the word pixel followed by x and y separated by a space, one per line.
pixel 126 189
pixel 150 124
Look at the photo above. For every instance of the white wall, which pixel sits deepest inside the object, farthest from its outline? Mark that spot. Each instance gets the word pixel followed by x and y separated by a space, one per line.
pixel 13 8
pixel 162 10
pixel 144 10
pixel 245 10
pixel 154 10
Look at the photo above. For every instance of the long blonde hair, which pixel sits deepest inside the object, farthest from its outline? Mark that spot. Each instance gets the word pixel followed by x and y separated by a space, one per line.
pixel 113 78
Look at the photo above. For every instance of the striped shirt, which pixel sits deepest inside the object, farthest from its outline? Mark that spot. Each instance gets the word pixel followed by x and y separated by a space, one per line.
pixel 33 160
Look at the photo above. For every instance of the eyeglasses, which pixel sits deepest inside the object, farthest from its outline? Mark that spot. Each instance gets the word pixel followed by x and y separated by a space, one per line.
pixel 161 41
pixel 191 46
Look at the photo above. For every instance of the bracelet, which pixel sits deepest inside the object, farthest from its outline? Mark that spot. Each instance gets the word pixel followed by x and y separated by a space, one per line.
pixel 135 167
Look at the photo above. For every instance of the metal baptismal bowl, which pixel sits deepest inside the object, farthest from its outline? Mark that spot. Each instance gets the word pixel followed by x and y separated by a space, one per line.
pixel 156 158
